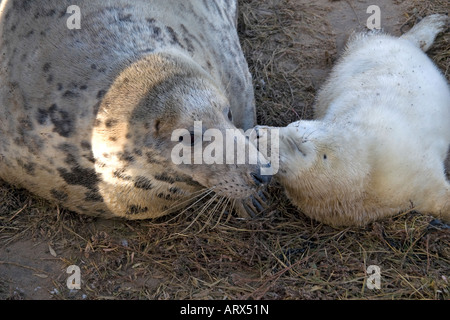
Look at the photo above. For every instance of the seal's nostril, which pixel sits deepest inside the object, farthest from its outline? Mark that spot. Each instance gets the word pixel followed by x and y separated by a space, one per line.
pixel 260 179
pixel 267 165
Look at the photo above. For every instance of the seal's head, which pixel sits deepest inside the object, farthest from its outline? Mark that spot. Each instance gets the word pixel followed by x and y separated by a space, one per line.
pixel 148 121
pixel 304 148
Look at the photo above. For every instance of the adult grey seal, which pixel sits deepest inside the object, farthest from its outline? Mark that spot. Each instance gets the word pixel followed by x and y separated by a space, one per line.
pixel 87 115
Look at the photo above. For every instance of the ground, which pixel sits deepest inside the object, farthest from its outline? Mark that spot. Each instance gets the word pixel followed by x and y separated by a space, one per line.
pixel 290 46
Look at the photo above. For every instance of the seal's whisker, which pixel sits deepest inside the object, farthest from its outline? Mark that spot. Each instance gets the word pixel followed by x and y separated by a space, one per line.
pixel 189 198
pixel 208 203
pixel 224 209
pixel 212 212
pixel 233 205
pixel 203 194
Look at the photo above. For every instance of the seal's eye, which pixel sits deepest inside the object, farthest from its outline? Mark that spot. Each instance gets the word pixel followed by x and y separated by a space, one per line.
pixel 325 157
pixel 230 115
pixel 188 139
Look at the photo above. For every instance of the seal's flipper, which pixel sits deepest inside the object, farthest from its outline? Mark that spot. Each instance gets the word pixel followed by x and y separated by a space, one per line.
pixel 424 33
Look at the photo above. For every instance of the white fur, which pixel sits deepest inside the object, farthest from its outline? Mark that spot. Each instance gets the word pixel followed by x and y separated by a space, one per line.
pixel 383 122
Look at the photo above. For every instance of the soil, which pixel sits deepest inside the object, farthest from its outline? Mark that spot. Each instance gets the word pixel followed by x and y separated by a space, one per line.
pixel 33 264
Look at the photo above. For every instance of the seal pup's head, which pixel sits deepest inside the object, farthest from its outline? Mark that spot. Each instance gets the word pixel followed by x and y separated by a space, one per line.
pixel 323 169
pixel 147 116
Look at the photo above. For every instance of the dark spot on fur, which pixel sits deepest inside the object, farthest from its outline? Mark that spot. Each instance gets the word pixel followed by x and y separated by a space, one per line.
pixel 101 94
pixel 93 196
pixel 174 37
pixel 136 210
pixel 83 87
pixel 85 145
pixel 99 163
pixel 71 159
pixel 90 157
pixel 70 94
pixel 80 177
pixel 70 151
pixel 95 108
pixel 143 183
pixel 61 120
pixel 125 17
pixel 29 168
pixel 46 67
pixel 93 66
pixel 189 181
pixel 42 116
pixel 62 13
pixel 151 158
pixel 126 156
pixel 120 174
pixel 165 178
pixel 138 152
pixel 164 196
pixel 59 86
pixel 101 212
pixel 24 125
pixel 174 190
pixel 157 32
pixel 19 142
pixel 59 195
pixel 111 123
pixel 113 139
pixel 50 13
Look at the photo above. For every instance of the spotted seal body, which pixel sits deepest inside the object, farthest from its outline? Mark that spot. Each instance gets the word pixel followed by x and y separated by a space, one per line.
pixel 381 134
pixel 86 115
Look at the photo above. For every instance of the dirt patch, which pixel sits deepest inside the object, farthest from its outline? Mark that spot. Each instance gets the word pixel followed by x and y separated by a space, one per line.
pixel 349 16
pixel 27 271
pixel 291 46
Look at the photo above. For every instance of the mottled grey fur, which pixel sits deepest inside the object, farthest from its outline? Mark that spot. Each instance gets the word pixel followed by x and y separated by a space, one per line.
pixel 117 83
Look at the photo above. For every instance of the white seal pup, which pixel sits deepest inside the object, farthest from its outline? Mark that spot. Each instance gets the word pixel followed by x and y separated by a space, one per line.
pixel 87 115
pixel 380 136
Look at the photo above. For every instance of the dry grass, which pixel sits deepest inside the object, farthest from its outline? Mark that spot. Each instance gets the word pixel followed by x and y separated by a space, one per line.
pixel 282 255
